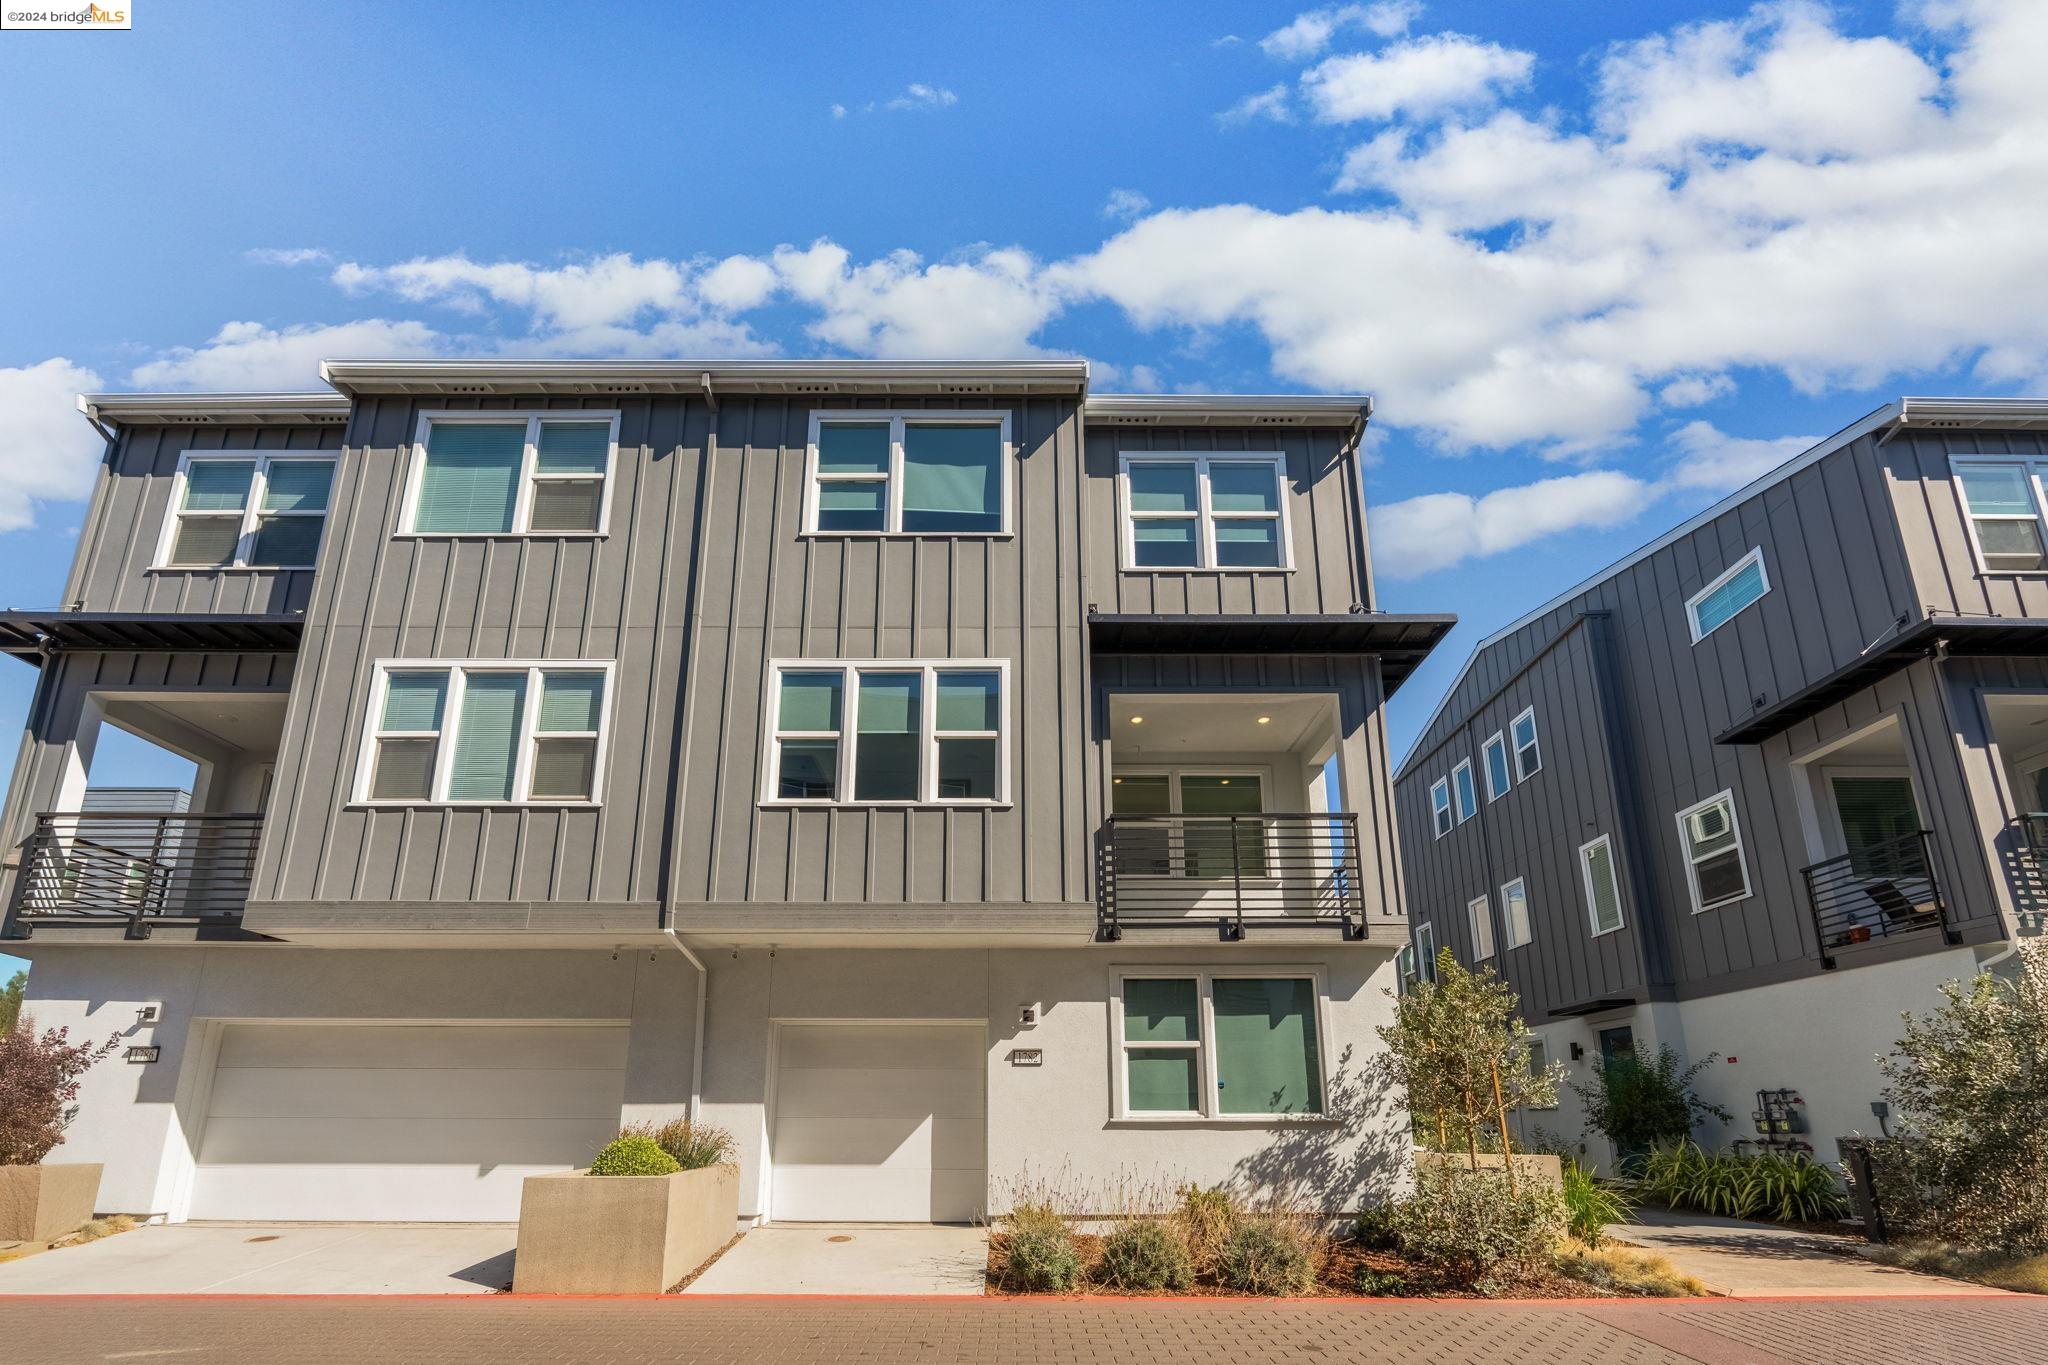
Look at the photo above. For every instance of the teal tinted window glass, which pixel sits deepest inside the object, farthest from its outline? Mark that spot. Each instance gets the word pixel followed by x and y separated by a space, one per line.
pixel 854 506
pixel 1718 607
pixel 206 540
pixel 853 448
pixel 1141 794
pixel 1996 490
pixel 886 762
pixel 1162 1080
pixel 1216 848
pixel 412 701
pixel 967 770
pixel 572 447
pixel 1166 543
pixel 970 701
pixel 1163 488
pixel 570 701
pixel 1247 544
pixel 297 486
pixel 471 482
pixel 1243 488
pixel 1160 1010
pixel 1266 1053
pixel 810 701
pixel 952 477
pixel 287 541
pixel 487 739
pixel 809 770
pixel 218 485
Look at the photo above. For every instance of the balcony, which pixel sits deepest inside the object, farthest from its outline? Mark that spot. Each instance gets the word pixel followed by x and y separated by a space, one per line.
pixel 133 871
pixel 1882 890
pixel 1185 871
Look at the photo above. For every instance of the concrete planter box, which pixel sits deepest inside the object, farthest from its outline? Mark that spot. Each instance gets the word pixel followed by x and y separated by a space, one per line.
pixel 1535 1170
pixel 621 1234
pixel 41 1203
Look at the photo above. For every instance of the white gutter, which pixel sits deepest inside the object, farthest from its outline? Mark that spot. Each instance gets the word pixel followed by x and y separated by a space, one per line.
pixel 680 375
pixel 697 1035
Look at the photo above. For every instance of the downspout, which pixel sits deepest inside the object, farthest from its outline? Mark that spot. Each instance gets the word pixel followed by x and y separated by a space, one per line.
pixel 697 1034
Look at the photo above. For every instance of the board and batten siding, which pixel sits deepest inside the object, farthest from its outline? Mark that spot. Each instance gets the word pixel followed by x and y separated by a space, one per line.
pixel 1934 523
pixel 124 522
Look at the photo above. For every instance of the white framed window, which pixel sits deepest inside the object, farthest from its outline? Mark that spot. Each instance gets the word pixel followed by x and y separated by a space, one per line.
pixel 1496 755
pixel 485 732
pixel 1539 1062
pixel 1190 510
pixel 1440 806
pixel 246 509
pixel 1404 969
pixel 1603 887
pixel 1214 847
pixel 1462 788
pixel 887 732
pixel 921 472
pixel 2003 501
pixel 1479 918
pixel 1528 753
pixel 506 473
pixel 1514 913
pixel 1240 1045
pixel 1737 587
pixel 1425 952
pixel 1711 840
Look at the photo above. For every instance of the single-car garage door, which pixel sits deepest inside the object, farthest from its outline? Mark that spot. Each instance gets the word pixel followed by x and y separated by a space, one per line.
pixel 878 1123
pixel 411 1123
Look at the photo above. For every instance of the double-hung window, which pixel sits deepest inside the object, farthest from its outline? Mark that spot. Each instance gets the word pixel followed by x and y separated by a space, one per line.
pixel 1712 843
pixel 924 472
pixel 1425 952
pixel 511 474
pixel 2004 502
pixel 1497 782
pixel 1479 919
pixel 1539 1063
pixel 1528 753
pixel 1736 588
pixel 246 510
pixel 1198 511
pixel 888 732
pixel 1603 888
pixel 1219 1045
pixel 485 732
pixel 1440 806
pixel 1514 912
pixel 1461 787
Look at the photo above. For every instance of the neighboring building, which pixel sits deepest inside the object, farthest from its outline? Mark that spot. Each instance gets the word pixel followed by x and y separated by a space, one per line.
pixel 925 771
pixel 1766 782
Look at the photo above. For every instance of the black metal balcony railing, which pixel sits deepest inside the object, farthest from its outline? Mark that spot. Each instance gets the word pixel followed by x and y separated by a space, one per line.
pixel 1176 871
pixel 1880 891
pixel 133 869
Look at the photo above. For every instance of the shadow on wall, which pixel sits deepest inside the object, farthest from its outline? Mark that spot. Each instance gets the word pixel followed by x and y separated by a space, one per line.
pixel 1357 1157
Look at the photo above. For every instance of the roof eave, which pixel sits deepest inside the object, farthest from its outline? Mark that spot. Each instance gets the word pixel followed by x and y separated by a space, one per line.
pixel 1200 409
pixel 628 377
pixel 318 408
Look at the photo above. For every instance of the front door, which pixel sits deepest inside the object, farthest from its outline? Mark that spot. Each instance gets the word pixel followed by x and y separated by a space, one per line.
pixel 1618 1048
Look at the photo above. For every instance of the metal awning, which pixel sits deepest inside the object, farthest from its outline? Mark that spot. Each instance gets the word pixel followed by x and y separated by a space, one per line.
pixel 1578 1009
pixel 1402 642
pixel 25 633
pixel 1958 635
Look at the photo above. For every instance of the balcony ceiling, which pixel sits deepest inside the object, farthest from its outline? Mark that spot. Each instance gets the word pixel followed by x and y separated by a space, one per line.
pixel 25 633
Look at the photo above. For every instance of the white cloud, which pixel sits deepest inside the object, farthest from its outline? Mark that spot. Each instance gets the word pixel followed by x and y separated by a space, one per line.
pixel 838 111
pixel 1125 204
pixel 1694 390
pixel 1420 76
pixel 1312 31
pixel 737 283
pixel 918 97
pixel 1275 105
pixel 48 452
pixel 985 302
pixel 249 355
pixel 1710 459
pixel 285 256
pixel 1421 535
pixel 603 290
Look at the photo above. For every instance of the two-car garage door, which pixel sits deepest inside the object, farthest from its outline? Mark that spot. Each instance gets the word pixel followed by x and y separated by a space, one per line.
pixel 413 1123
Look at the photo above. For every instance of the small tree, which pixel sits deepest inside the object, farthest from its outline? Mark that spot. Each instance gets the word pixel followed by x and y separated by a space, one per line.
pixel 10 1001
pixel 1969 1088
pixel 1642 1105
pixel 1459 1048
pixel 38 1089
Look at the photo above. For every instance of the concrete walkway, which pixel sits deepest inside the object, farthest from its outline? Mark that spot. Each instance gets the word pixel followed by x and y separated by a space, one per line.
pixel 277 1258
pixel 850 1258
pixel 1744 1259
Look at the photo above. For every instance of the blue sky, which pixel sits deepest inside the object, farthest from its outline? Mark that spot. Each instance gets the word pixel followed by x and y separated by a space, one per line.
pixel 1598 263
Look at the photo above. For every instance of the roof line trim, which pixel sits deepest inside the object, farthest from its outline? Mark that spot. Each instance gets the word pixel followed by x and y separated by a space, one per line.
pixel 347 375
pixel 120 408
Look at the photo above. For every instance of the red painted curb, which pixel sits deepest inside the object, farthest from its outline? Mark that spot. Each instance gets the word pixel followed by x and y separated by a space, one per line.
pixel 1095 1300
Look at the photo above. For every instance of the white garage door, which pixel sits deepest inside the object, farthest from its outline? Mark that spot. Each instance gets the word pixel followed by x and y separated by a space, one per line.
pixel 412 1123
pixel 878 1123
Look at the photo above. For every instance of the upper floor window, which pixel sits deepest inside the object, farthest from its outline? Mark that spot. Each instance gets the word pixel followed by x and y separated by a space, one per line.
pixel 1461 787
pixel 246 510
pixel 888 732
pixel 1514 912
pixel 2004 500
pixel 1739 585
pixel 1712 843
pixel 485 732
pixel 1603 889
pixel 1425 952
pixel 908 473
pixel 1440 805
pixel 1479 919
pixel 1528 754
pixel 511 474
pixel 1189 511
pixel 1496 753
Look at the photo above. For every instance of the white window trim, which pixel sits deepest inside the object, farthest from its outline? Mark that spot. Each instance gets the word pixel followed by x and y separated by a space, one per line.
pixel 522 508
pixel 1425 957
pixel 1540 1046
pixel 892 515
pixel 2032 468
pixel 1439 809
pixel 1463 765
pixel 1692 863
pixel 1507 919
pixel 1586 879
pixel 1497 740
pixel 1692 603
pixel 1205 516
pixel 1479 923
pixel 1535 744
pixel 1204 1045
pixel 252 505
pixel 849 735
pixel 1404 969
pixel 451 718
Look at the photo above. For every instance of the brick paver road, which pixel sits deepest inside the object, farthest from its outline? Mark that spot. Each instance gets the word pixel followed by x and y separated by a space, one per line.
pixel 503 1331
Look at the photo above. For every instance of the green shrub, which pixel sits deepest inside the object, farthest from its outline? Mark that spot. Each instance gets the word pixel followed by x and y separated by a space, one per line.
pixel 1781 1188
pixel 1591 1204
pixel 1377 1284
pixel 1639 1105
pixel 633 1154
pixel 693 1145
pixel 1205 1219
pixel 1039 1254
pixel 1145 1254
pixel 1374 1229
pixel 1269 1254
pixel 1462 1226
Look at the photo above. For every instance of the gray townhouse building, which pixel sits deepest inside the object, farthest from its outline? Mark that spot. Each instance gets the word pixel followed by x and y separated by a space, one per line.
pixel 1765 783
pixel 928 772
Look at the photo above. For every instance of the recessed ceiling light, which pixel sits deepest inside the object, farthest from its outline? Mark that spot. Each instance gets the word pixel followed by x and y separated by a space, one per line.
pixel 1117 780
pixel 1265 720
pixel 1137 720
pixel 1226 781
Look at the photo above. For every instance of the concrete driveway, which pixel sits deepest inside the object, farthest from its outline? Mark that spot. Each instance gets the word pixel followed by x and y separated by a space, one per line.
pixel 277 1258
pixel 1731 1256
pixel 850 1258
